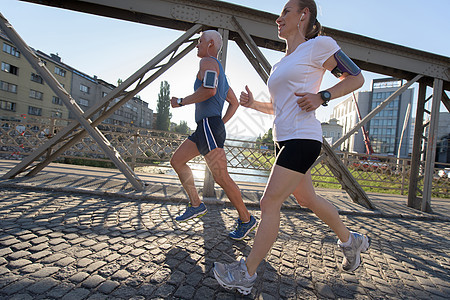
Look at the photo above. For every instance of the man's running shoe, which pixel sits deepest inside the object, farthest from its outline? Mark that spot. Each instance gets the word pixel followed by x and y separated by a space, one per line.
pixel 192 212
pixel 234 276
pixel 352 253
pixel 243 229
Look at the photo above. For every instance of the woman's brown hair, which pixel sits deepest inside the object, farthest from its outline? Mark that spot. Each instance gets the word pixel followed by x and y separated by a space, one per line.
pixel 314 28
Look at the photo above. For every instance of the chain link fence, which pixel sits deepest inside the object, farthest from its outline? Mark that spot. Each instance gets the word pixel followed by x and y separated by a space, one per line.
pixel 247 160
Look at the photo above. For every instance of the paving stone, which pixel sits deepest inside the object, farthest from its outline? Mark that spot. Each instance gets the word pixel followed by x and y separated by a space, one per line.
pixel 38 247
pixel 45 272
pixel 19 254
pixel 53 258
pixel 95 266
pixel 108 286
pixel 21 246
pixel 17 286
pixel 79 277
pixel 40 254
pixel 93 281
pixel 21 296
pixel 5 251
pixel 31 268
pixel 185 292
pixel 84 262
pixel 77 293
pixel 324 290
pixel 120 275
pixel 42 286
pixel 9 242
pixel 65 261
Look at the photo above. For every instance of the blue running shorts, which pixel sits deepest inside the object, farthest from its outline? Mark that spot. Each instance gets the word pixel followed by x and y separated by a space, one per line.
pixel 209 135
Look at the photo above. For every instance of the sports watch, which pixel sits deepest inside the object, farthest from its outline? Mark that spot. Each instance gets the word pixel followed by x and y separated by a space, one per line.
pixel 326 97
pixel 180 101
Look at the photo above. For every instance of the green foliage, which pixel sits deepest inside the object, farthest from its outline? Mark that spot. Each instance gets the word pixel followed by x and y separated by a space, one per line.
pixel 163 107
pixel 182 128
pixel 266 140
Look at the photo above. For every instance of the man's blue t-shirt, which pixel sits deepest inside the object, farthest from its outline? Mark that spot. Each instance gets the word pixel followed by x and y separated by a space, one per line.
pixel 213 106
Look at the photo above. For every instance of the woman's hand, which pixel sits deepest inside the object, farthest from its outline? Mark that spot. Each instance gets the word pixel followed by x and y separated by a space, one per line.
pixel 246 99
pixel 309 102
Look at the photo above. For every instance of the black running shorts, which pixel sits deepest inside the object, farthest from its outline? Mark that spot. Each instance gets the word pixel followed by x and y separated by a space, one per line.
pixel 297 155
pixel 209 135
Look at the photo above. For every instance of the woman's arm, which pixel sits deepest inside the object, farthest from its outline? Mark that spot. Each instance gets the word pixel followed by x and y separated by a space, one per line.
pixel 346 85
pixel 202 93
pixel 233 105
pixel 247 100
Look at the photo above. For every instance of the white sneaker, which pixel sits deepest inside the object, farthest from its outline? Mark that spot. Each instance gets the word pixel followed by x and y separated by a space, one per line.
pixel 352 253
pixel 233 275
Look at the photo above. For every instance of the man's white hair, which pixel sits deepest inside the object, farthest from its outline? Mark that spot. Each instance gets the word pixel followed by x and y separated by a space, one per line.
pixel 215 36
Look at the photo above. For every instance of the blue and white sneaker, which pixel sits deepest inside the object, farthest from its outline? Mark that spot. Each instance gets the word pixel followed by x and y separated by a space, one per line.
pixel 192 212
pixel 243 229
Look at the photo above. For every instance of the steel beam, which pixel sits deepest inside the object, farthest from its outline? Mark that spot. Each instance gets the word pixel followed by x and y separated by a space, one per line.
pixel 345 178
pixel 370 54
pixel 414 176
pixel 431 145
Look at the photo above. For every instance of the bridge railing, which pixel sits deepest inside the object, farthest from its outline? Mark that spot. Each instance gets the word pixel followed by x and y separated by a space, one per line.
pixel 247 160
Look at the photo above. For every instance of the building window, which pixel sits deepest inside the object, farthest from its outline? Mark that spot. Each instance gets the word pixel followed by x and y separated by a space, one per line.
pixel 9 87
pixel 35 111
pixel 36 94
pixel 6 105
pixel 84 88
pixel 11 50
pixel 60 72
pixel 36 78
pixel 83 102
pixel 10 68
pixel 56 100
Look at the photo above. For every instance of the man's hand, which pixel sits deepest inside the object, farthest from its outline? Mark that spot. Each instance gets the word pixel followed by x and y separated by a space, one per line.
pixel 173 102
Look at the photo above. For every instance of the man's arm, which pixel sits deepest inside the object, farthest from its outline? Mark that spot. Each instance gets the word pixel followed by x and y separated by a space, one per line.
pixel 233 105
pixel 202 93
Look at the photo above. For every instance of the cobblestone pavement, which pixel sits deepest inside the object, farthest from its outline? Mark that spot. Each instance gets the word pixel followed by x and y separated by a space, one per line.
pixel 59 245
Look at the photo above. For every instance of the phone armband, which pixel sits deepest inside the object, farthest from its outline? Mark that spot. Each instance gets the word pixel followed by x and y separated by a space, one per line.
pixel 210 80
pixel 344 64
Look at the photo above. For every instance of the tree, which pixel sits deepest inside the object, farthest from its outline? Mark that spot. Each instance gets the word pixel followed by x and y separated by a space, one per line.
pixel 182 128
pixel 163 107
pixel 266 140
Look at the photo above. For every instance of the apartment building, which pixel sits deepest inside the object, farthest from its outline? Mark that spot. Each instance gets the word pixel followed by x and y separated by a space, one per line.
pixel 384 129
pixel 23 93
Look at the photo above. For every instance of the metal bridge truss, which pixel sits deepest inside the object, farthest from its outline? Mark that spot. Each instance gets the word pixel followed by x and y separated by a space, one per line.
pixel 251 29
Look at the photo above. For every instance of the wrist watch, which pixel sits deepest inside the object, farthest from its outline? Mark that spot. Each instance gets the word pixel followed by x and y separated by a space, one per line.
pixel 180 101
pixel 326 97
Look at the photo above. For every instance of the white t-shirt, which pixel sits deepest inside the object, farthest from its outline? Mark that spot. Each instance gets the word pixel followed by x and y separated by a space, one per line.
pixel 300 71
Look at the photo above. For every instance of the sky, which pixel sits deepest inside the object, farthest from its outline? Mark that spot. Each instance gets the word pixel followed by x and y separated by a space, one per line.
pixel 113 49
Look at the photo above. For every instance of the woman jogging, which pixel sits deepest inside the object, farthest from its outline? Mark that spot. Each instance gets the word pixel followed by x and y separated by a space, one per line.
pixel 294 96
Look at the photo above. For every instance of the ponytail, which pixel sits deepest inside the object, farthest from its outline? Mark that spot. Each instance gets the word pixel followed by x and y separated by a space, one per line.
pixel 315 29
